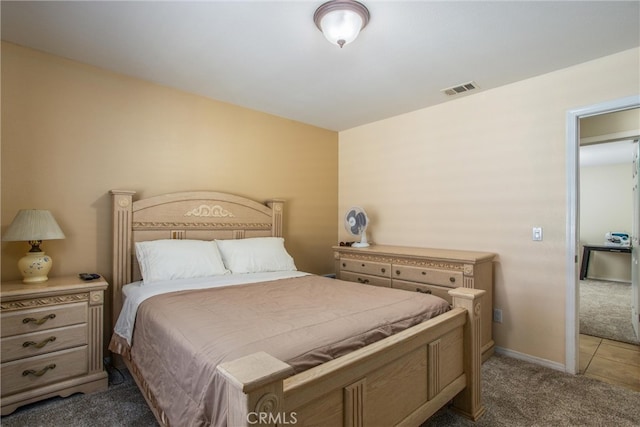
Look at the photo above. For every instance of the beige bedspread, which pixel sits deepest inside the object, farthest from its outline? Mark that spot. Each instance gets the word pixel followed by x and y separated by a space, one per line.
pixel 180 337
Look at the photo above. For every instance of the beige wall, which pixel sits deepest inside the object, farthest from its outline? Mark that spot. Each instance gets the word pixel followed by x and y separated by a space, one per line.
pixel 478 173
pixel 72 132
pixel 606 204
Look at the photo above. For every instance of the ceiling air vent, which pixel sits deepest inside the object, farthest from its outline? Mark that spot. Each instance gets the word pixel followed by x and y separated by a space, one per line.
pixel 465 87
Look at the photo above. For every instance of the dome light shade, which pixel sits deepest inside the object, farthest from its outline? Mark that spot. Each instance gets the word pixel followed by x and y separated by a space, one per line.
pixel 341 20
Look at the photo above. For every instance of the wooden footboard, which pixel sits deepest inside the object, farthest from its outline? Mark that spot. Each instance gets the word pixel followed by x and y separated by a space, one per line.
pixel 401 380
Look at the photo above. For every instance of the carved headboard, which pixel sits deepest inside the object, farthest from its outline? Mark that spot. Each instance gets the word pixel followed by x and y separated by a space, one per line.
pixel 200 215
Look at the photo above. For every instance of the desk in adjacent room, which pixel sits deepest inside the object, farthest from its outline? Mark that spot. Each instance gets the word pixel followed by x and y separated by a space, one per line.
pixel 586 254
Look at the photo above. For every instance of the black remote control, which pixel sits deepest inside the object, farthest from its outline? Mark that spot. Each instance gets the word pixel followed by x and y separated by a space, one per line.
pixel 88 276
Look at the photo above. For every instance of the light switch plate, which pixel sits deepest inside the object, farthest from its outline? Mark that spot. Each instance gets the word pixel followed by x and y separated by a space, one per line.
pixel 537 234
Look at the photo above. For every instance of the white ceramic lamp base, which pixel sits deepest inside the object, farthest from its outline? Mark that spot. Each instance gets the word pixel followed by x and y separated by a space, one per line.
pixel 34 267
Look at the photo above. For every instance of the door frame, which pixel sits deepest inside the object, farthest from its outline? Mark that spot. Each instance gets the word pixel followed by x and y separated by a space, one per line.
pixel 572 312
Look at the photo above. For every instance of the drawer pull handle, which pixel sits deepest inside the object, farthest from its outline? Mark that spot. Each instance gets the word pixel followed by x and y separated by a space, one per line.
pixel 363 265
pixel 427 291
pixel 397 272
pixel 38 322
pixel 424 273
pixel 344 264
pixel 365 281
pixel 452 279
pixel 39 373
pixel 40 344
pixel 384 270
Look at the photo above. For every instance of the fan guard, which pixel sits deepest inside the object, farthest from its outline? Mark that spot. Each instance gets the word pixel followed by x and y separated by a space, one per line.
pixel 356 222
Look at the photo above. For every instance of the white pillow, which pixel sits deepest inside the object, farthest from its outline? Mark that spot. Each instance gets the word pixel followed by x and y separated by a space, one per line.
pixel 178 259
pixel 255 255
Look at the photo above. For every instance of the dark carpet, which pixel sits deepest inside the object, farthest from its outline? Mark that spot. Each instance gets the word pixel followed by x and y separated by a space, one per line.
pixel 605 310
pixel 515 393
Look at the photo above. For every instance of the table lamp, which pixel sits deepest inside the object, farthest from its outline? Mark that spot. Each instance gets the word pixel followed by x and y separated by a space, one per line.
pixel 33 226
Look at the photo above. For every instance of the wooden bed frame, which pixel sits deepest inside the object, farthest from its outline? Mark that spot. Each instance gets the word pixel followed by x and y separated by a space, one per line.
pixel 400 380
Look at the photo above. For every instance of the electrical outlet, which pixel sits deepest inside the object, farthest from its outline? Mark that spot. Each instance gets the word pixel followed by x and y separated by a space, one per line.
pixel 497 315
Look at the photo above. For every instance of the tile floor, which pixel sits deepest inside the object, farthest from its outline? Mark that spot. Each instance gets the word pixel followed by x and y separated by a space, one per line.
pixel 610 361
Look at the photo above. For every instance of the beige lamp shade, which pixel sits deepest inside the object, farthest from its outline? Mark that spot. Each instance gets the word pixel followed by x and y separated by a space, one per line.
pixel 34 226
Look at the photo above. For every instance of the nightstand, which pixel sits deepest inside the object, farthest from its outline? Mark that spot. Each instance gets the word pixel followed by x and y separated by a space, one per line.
pixel 51 339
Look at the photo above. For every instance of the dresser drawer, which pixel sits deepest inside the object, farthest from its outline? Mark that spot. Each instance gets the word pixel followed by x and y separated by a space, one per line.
pixel 365 279
pixel 426 269
pixel 33 344
pixel 38 319
pixel 451 279
pixel 438 291
pixel 366 267
pixel 37 371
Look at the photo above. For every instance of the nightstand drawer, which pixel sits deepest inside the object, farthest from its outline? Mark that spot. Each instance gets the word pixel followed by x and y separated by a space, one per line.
pixel 38 319
pixel 37 371
pixel 27 345
pixel 365 279
pixel 438 291
pixel 451 279
pixel 366 267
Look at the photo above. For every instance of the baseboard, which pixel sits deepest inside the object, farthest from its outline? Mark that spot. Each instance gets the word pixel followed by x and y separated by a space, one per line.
pixel 608 279
pixel 532 359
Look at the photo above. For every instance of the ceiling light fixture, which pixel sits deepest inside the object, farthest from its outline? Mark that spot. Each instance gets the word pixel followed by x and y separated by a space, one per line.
pixel 341 20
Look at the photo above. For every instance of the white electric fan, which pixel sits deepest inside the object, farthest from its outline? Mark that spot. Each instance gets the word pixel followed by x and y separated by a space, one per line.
pixel 356 222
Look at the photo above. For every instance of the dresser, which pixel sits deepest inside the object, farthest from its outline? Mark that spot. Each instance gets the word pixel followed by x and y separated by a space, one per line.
pixel 51 339
pixel 424 270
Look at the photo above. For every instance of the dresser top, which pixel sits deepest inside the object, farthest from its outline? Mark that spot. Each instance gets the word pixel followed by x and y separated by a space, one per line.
pixel 55 285
pixel 472 257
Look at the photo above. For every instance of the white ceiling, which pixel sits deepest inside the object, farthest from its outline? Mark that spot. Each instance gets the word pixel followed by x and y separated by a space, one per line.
pixel 269 56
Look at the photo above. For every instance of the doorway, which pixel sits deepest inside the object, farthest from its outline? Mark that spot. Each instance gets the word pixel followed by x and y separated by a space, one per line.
pixel 607 143
pixel 572 238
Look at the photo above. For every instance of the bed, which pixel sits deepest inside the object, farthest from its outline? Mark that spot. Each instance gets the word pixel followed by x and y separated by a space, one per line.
pixel 400 372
